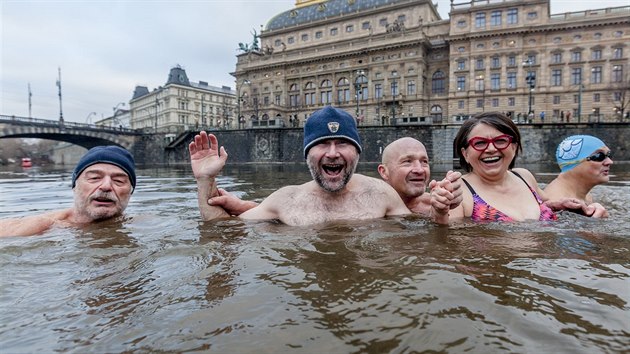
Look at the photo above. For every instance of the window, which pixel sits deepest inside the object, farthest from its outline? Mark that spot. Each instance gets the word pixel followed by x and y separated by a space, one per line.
pixel 511 101
pixel 480 103
pixel 350 28
pixel 576 56
pixel 309 98
pixel 596 54
pixel 411 87
pixel 383 22
pixel 576 76
pixel 343 90
pixel 495 18
pixel 495 102
pixel 617 96
pixel 333 31
pixel 325 92
pixel 496 62
pixel 309 86
pixel 293 100
pixel 576 98
pixel 512 16
pixel 511 79
pixel 556 99
pixel 461 49
pixel 366 25
pixel 277 100
pixel 319 34
pixel 479 83
pixel 266 100
pixel 378 91
pixel 495 81
pixel 277 43
pixel 461 83
pixel 532 15
pixel 556 58
pixel 290 40
pixel 479 65
pixel 394 87
pixel 596 97
pixel 511 60
pixel 437 82
pixel 617 73
pixel 460 104
pixel 402 18
pixel 461 23
pixel 461 64
pixel 480 20
pixel 304 37
pixel 617 53
pixel 596 75
pixel 531 59
pixel 556 77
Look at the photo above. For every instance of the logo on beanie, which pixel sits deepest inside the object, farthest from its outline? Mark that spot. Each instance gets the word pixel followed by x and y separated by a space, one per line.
pixel 333 127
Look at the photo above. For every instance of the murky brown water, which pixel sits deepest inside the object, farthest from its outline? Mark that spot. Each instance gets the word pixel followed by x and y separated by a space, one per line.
pixel 159 280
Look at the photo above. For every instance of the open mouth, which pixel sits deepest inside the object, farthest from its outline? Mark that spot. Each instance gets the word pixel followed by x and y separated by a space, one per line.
pixel 332 169
pixel 492 159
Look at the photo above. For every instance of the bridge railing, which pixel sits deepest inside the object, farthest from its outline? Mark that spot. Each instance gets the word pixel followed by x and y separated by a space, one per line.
pixel 48 122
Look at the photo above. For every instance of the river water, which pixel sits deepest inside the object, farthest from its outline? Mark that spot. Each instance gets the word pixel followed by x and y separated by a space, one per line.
pixel 159 280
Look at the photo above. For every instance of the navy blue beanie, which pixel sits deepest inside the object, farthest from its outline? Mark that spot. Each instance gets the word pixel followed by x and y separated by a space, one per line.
pixel 112 155
pixel 330 123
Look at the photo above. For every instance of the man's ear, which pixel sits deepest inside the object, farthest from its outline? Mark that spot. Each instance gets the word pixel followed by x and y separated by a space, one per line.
pixel 382 170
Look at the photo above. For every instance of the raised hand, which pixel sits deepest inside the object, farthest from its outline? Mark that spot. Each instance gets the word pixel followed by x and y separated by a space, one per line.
pixel 205 159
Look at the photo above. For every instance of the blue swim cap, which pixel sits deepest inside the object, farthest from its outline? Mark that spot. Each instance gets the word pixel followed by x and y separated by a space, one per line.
pixel 574 149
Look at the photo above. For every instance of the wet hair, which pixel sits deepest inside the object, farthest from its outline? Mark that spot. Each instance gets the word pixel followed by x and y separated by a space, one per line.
pixel 497 120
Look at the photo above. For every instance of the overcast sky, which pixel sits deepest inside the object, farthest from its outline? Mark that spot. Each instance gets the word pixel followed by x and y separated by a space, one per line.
pixel 105 48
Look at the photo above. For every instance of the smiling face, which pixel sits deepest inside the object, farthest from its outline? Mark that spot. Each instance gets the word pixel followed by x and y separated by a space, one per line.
pixel 332 163
pixel 490 161
pixel 406 167
pixel 102 191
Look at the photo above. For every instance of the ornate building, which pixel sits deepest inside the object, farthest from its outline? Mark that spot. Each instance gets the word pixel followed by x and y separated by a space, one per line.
pixel 398 62
pixel 182 105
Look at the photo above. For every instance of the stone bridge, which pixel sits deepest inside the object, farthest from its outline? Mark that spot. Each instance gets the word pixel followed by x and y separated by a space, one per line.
pixel 85 135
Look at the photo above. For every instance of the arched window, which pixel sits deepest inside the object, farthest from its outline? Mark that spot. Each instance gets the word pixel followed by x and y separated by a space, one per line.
pixel 326 83
pixel 326 92
pixel 309 86
pixel 438 82
pixel 343 90
pixel 293 87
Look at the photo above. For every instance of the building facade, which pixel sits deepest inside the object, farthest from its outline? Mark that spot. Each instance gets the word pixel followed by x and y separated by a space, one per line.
pixel 182 105
pixel 398 62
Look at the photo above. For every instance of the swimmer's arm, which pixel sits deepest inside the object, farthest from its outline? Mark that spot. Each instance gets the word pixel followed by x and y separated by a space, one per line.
pixel 207 188
pixel 231 203
pixel 28 225
pixel 269 208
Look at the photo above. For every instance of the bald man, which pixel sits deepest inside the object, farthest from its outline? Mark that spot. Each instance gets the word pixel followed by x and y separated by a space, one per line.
pixel 405 166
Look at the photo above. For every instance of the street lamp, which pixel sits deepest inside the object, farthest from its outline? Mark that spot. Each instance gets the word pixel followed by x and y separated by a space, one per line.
pixel 88 119
pixel 580 88
pixel 239 98
pixel 531 82
pixel 394 89
pixel 358 85
pixel 115 109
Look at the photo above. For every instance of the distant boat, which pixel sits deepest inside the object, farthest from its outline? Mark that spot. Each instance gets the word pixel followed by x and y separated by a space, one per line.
pixel 26 162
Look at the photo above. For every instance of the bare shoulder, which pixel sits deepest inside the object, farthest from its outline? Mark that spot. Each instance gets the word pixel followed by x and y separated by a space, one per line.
pixel 528 176
pixel 272 206
pixel 33 224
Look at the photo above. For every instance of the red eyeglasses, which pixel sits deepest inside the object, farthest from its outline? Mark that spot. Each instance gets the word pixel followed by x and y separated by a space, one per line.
pixel 500 142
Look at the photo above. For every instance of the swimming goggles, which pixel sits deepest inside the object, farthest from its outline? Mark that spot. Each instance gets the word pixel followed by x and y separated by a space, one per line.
pixel 600 156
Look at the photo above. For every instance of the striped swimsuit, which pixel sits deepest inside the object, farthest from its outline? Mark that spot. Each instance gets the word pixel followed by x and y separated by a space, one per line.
pixel 483 211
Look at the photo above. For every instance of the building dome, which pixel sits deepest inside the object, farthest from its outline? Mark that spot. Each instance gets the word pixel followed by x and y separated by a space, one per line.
pixel 312 11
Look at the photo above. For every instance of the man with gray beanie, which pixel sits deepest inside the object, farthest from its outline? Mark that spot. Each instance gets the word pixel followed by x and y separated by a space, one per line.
pixel 102 183
pixel 331 148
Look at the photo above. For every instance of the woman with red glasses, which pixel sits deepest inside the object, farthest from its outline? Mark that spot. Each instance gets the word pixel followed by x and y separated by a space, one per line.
pixel 584 162
pixel 488 145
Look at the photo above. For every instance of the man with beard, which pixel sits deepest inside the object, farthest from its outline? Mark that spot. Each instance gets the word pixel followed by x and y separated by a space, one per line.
pixel 331 148
pixel 405 166
pixel 102 183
